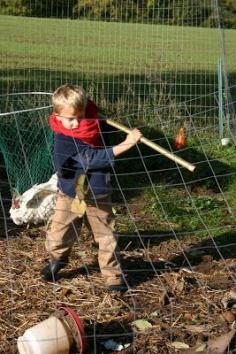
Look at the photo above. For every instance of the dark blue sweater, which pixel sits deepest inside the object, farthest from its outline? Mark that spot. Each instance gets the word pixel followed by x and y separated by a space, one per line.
pixel 73 158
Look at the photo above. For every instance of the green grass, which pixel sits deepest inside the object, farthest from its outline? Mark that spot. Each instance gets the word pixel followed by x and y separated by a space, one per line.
pixel 123 66
pixel 199 204
pixel 108 48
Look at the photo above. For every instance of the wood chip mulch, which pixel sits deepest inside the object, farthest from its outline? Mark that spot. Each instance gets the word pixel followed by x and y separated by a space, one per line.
pixel 182 303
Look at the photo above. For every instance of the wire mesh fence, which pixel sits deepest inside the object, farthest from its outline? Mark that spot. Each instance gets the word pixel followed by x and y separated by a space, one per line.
pixel 159 66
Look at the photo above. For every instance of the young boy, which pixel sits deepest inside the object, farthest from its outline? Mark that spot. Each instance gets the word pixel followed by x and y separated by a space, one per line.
pixel 80 155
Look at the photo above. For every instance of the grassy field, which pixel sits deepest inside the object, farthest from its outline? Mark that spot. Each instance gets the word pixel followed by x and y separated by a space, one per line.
pixel 40 53
pixel 124 67
pixel 107 48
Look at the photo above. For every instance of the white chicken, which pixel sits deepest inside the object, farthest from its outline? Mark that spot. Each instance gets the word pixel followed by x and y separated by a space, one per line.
pixel 36 204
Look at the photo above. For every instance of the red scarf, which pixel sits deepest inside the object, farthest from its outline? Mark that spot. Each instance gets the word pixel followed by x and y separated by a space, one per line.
pixel 88 130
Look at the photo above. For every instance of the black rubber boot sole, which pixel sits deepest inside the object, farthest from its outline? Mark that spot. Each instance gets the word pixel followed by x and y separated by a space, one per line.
pixel 49 272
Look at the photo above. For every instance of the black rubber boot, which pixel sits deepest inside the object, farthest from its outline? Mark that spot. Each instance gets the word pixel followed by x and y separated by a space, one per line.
pixel 49 272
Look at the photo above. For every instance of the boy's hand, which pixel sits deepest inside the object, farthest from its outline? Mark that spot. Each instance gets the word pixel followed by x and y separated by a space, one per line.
pixel 133 137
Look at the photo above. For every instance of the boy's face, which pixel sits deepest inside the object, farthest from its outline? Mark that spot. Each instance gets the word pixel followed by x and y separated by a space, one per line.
pixel 69 117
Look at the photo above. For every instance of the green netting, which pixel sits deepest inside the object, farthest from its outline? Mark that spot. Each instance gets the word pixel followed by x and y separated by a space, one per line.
pixel 25 139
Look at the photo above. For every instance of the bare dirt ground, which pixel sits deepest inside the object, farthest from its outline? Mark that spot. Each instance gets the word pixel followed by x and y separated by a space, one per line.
pixel 183 288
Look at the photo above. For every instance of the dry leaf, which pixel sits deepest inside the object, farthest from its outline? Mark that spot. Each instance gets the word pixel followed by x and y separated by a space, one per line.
pixel 142 325
pixel 228 316
pixel 155 313
pixel 81 188
pixel 175 281
pixel 196 328
pixel 201 349
pixel 188 317
pixel 78 207
pixel 180 345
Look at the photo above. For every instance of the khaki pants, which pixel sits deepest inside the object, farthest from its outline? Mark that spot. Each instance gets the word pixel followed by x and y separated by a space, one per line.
pixel 64 228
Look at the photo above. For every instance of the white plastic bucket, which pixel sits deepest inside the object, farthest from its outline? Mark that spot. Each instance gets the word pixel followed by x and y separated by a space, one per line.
pixel 47 337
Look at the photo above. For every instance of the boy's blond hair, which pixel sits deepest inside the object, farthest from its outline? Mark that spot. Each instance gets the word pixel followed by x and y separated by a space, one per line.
pixel 69 95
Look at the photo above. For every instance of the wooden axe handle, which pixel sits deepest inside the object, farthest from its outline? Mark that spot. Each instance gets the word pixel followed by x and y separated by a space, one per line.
pixel 154 146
